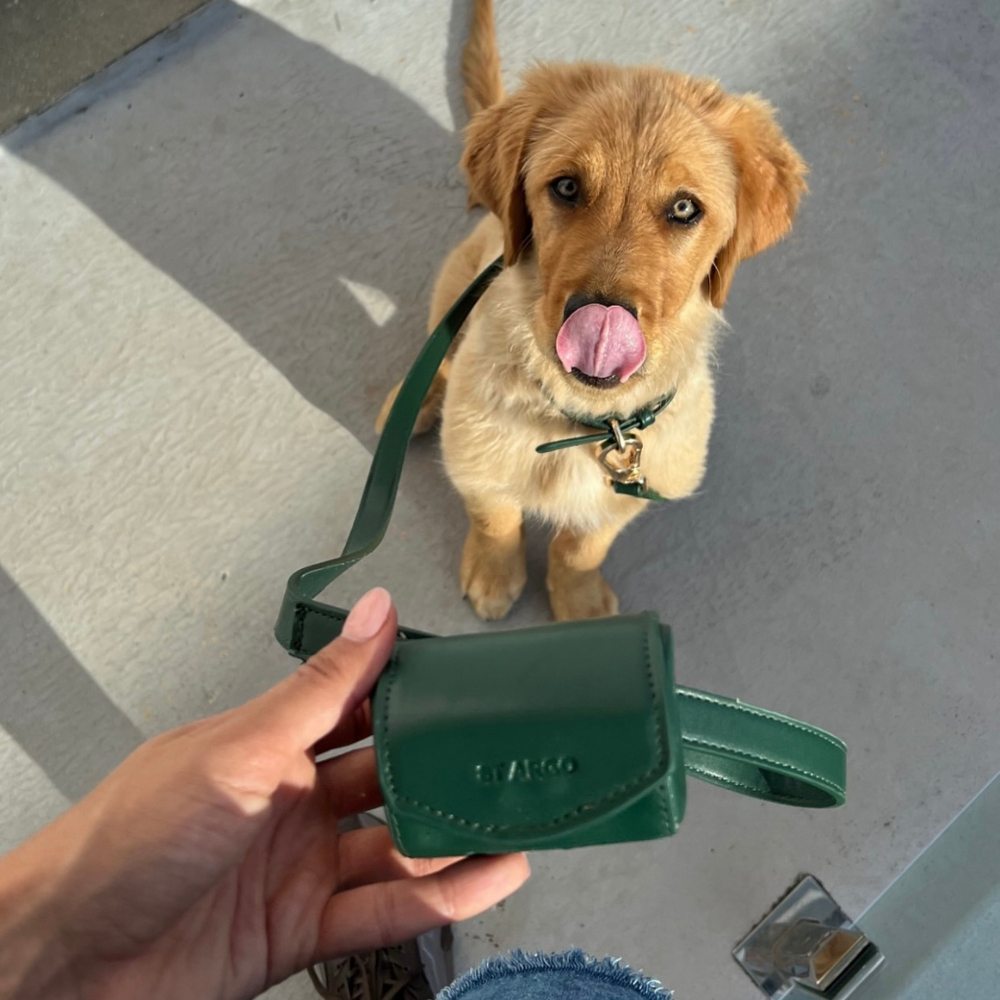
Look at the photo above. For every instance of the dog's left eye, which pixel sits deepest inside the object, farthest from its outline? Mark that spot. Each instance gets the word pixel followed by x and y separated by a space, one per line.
pixel 566 189
pixel 684 210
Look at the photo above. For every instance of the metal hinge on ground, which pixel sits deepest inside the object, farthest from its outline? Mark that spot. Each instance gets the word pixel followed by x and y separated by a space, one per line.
pixel 807 947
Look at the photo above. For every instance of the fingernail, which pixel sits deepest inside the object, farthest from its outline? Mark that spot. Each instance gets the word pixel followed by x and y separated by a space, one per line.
pixel 367 616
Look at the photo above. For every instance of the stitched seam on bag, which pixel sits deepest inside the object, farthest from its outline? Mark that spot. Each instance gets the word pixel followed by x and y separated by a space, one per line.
pixel 713 777
pixel 661 738
pixel 335 615
pixel 397 834
pixel 666 801
pixel 302 611
pixel 760 758
pixel 722 779
pixel 616 792
pixel 666 814
pixel 298 626
pixel 750 710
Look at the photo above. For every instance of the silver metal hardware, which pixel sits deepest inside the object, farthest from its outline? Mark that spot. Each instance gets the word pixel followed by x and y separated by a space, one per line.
pixel 807 947
pixel 619 437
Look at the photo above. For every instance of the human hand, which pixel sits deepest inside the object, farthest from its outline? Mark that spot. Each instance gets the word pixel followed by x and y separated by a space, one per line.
pixel 209 864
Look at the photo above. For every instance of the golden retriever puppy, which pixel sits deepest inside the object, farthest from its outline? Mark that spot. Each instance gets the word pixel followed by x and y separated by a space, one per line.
pixel 622 200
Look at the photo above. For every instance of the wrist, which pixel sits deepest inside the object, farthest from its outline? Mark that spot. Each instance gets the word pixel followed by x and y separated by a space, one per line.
pixel 33 952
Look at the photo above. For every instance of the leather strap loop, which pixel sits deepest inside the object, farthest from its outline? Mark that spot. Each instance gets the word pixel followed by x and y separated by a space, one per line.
pixel 727 743
pixel 759 753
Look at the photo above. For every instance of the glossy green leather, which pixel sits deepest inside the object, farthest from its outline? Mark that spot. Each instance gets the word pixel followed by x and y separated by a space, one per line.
pixel 559 736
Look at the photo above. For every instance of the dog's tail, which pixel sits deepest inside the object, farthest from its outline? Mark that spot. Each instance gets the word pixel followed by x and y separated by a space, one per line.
pixel 481 60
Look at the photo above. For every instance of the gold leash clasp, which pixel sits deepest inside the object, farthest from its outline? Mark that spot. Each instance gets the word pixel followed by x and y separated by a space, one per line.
pixel 621 458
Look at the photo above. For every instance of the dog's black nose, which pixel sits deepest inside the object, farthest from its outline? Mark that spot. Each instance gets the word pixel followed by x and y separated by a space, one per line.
pixel 580 299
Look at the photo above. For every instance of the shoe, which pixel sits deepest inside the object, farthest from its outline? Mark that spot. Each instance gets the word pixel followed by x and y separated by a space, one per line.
pixel 386 974
pixel 416 970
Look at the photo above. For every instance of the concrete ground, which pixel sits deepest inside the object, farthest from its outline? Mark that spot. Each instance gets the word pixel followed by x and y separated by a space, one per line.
pixel 47 47
pixel 212 273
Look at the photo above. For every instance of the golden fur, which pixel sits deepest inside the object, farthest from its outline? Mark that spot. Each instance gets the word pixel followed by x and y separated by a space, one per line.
pixel 633 138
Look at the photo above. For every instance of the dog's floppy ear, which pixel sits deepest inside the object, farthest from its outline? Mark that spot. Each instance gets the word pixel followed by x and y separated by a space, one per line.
pixel 770 182
pixel 496 141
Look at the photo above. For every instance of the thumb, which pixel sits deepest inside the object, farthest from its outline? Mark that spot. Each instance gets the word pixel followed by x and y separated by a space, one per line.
pixel 331 684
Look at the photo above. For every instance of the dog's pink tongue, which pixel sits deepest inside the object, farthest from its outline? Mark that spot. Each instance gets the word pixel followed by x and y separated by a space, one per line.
pixel 601 341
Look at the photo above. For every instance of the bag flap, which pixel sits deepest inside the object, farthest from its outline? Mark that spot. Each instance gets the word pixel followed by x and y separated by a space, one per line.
pixel 528 733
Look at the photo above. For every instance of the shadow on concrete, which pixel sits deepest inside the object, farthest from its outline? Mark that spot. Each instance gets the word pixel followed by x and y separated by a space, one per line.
pixel 51 706
pixel 296 171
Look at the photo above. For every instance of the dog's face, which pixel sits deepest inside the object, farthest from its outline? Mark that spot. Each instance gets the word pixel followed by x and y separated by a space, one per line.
pixel 634 193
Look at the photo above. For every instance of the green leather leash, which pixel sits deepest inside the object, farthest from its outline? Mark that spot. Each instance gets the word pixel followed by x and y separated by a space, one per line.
pixel 302 615
pixel 740 747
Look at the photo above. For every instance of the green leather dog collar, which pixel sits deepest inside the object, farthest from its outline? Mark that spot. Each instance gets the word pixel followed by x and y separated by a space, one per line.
pixel 616 438
pixel 640 420
pixel 475 759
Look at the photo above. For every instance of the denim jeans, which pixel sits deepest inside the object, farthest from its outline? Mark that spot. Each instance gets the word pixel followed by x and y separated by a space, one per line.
pixel 569 975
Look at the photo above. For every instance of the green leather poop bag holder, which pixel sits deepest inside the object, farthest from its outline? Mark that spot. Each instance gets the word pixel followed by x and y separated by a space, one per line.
pixel 552 737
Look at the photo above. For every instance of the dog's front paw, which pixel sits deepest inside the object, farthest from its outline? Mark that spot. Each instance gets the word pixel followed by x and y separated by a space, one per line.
pixel 574 595
pixel 493 574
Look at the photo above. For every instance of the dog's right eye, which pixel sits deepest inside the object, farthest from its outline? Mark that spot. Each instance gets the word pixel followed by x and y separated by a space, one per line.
pixel 566 189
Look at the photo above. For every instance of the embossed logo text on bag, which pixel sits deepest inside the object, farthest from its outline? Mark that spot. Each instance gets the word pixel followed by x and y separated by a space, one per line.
pixel 526 769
